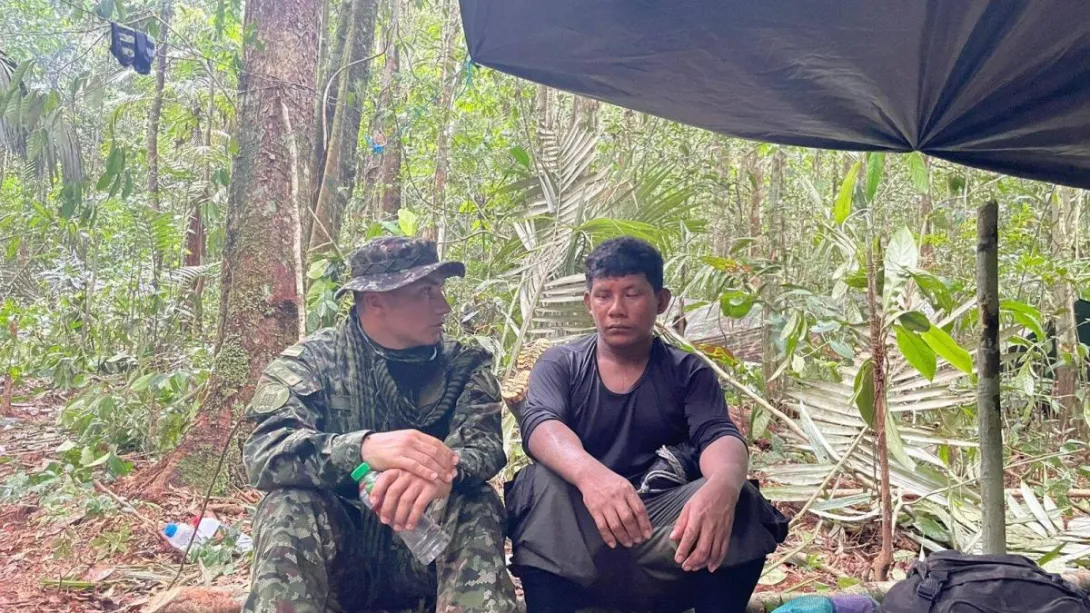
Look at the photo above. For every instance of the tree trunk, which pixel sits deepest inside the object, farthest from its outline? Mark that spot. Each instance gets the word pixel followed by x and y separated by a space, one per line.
pixel 339 170
pixel 260 306
pixel 9 381
pixel 388 181
pixel 988 412
pixel 195 238
pixel 1066 331
pixel 884 559
pixel 926 208
pixel 442 145
pixel 329 60
pixel 153 126
pixel 756 179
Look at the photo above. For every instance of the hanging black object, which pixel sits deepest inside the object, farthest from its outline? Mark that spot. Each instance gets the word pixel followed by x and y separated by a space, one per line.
pixel 132 48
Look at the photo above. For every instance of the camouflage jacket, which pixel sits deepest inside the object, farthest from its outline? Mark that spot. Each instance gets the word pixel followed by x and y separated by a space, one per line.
pixel 313 404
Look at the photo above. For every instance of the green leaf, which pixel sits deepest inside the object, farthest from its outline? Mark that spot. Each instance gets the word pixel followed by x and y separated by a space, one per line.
pixel 934 289
pixel 895 443
pixel 100 460
pixel 105 9
pixel 736 303
pixel 847 582
pixel 842 349
pixel 759 421
pixel 86 456
pixel 407 221
pixel 104 181
pixel 66 446
pixel 916 351
pixel 932 529
pixel 901 255
pixel 142 383
pixel 1025 315
pixel 915 321
pixel 875 165
pixel 940 341
pixel 521 156
pixel 127 190
pixel 118 467
pixel 864 392
pixel 842 208
pixel 115 161
pixel 318 269
pixel 917 170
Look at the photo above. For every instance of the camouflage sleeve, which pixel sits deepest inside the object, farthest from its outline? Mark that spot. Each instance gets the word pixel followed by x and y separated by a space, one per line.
pixel 476 432
pixel 287 447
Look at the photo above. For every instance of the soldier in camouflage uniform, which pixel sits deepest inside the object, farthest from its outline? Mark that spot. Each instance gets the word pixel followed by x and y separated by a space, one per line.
pixel 381 387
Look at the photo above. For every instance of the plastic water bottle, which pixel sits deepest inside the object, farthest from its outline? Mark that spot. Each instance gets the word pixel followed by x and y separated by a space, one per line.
pixel 426 541
pixel 179 535
pixel 209 526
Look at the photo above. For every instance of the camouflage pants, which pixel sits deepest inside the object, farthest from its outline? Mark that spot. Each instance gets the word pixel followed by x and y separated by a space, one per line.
pixel 309 558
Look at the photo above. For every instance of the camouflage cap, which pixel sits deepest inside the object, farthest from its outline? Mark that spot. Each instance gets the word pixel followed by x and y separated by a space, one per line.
pixel 386 264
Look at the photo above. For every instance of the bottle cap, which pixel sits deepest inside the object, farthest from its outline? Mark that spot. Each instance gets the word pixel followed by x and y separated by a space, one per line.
pixel 170 530
pixel 361 471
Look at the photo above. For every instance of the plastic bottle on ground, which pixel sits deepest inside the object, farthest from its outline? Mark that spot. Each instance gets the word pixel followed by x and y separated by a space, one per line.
pixel 426 541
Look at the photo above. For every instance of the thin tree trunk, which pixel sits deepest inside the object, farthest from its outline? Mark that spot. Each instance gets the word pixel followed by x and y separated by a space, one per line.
pixel 442 145
pixel 926 208
pixel 153 124
pixel 339 170
pixel 330 53
pixel 988 411
pixel 9 381
pixel 756 197
pixel 1066 331
pixel 884 559
pixel 195 232
pixel 388 181
pixel 261 304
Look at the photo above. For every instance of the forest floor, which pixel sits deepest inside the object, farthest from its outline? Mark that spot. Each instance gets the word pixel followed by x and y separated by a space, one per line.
pixel 80 543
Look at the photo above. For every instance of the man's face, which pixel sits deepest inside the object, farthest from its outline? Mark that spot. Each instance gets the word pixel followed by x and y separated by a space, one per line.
pixel 624 308
pixel 412 315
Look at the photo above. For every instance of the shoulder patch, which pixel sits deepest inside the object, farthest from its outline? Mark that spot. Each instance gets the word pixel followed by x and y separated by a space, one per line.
pixel 294 351
pixel 270 397
pixel 281 371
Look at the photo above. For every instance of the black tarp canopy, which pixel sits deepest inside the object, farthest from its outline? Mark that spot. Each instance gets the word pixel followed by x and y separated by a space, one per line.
pixel 1002 85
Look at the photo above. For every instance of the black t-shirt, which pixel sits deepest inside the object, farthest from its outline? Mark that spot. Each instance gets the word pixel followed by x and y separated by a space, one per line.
pixel 677 399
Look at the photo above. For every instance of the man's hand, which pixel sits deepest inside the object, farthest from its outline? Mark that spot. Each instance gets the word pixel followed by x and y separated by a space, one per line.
pixel 410 450
pixel 704 526
pixel 617 509
pixel 400 498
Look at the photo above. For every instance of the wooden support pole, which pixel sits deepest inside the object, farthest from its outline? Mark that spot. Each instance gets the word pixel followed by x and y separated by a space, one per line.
pixel 991 421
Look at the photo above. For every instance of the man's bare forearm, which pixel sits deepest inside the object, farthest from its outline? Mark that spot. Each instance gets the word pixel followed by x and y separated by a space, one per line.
pixel 726 462
pixel 555 445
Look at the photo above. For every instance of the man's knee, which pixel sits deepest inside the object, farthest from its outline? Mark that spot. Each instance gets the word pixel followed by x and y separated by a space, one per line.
pixel 478 511
pixel 301 521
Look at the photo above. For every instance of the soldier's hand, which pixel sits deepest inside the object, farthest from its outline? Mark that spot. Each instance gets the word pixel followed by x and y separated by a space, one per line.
pixel 400 498
pixel 410 450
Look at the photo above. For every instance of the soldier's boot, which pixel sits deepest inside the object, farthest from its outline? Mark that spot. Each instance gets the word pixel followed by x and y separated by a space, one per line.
pixel 472 571
pixel 302 538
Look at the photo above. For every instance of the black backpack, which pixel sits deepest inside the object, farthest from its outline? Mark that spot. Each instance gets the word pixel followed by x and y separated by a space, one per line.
pixel 952 582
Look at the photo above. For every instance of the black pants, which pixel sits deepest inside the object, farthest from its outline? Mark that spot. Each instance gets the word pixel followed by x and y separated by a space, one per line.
pixel 726 591
pixel 559 552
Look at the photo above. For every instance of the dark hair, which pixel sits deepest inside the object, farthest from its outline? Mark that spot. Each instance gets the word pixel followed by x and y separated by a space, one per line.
pixel 623 256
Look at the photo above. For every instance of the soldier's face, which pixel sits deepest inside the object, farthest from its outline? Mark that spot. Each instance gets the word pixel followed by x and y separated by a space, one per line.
pixel 412 315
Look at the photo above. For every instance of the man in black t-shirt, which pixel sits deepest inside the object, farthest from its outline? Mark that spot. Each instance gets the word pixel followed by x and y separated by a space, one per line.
pixel 604 418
